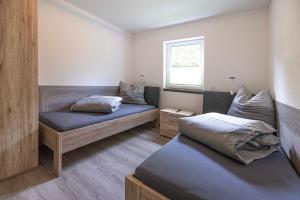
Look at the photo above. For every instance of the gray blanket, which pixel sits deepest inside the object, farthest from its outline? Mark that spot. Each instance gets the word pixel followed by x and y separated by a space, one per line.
pixel 242 139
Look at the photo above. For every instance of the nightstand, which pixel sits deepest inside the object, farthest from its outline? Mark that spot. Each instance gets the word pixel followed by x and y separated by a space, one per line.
pixel 169 121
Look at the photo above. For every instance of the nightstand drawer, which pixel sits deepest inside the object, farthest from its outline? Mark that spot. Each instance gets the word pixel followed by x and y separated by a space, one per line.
pixel 168 119
pixel 167 125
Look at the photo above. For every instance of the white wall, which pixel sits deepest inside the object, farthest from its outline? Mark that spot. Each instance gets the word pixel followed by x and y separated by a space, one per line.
pixel 76 48
pixel 235 44
pixel 285 51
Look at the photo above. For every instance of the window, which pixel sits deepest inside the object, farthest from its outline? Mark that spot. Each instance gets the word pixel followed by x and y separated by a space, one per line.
pixel 184 64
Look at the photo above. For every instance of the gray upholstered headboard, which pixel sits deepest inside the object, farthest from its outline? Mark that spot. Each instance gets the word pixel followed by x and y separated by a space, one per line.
pixel 54 98
pixel 288 126
pixel 216 101
pixel 152 95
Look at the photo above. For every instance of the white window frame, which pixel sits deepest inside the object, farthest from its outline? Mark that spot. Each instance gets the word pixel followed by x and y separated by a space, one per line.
pixel 167 47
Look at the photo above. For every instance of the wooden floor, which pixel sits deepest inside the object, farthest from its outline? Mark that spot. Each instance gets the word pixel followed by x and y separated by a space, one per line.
pixel 96 171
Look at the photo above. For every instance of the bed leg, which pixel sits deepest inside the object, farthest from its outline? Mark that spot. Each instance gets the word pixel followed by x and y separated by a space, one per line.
pixel 132 188
pixel 52 139
pixel 57 157
pixel 156 123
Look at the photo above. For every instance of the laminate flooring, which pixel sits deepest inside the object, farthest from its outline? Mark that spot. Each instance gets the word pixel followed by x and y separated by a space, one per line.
pixel 96 171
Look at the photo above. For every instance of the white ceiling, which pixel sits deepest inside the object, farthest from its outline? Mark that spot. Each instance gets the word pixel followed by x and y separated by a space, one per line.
pixel 140 15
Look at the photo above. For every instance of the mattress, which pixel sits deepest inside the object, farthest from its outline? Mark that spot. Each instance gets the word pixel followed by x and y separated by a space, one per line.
pixel 66 120
pixel 184 169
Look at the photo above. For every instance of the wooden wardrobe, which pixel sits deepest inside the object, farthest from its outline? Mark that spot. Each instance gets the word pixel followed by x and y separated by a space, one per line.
pixel 18 87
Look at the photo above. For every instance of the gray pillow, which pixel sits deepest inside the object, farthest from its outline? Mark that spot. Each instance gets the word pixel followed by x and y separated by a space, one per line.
pixel 96 104
pixel 132 93
pixel 259 107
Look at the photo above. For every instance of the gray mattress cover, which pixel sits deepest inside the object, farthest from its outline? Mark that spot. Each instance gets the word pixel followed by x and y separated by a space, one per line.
pixel 66 120
pixel 186 170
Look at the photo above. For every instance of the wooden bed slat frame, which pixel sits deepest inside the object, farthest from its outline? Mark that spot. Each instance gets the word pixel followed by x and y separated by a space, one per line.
pixel 137 190
pixel 63 142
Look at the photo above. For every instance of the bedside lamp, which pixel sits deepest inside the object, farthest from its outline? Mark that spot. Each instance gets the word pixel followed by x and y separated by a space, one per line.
pixel 141 79
pixel 232 78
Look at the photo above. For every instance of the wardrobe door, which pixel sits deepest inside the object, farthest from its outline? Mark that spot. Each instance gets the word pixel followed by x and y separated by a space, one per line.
pixel 18 87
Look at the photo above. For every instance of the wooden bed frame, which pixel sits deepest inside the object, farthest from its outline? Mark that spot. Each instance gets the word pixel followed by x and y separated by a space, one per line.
pixel 56 98
pixel 137 190
pixel 63 142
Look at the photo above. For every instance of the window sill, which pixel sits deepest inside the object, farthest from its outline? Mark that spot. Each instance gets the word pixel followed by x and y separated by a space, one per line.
pixel 184 90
